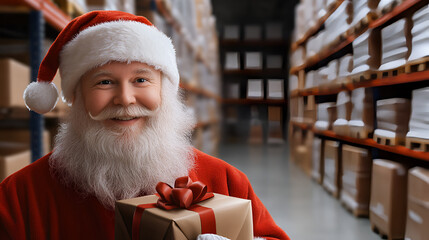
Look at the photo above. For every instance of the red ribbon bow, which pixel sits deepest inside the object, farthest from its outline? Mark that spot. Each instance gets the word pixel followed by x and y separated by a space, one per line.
pixel 184 194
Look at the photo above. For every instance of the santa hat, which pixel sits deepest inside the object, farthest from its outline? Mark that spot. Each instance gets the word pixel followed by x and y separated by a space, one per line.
pixel 93 40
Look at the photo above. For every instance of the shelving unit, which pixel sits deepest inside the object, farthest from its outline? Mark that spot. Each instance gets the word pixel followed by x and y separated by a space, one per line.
pixel 420 77
pixel 247 118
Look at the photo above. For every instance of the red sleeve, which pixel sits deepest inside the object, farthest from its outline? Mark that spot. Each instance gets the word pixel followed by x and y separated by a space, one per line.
pixel 223 178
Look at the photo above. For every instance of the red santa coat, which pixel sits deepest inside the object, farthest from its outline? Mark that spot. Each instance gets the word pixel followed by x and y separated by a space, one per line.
pixel 34 204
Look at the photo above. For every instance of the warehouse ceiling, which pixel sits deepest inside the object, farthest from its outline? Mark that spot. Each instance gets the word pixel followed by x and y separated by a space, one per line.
pixel 254 11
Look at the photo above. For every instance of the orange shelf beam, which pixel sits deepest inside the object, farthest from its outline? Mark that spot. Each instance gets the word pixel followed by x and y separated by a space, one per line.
pixel 395 12
pixel 401 150
pixel 52 14
pixel 255 101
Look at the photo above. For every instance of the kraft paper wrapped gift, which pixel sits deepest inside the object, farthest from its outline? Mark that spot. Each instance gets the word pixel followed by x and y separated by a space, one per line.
pixel 232 217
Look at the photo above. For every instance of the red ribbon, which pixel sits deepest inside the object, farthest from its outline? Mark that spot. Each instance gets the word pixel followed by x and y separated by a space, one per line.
pixel 185 194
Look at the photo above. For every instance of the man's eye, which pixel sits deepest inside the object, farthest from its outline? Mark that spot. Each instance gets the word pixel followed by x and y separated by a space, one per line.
pixel 141 80
pixel 104 82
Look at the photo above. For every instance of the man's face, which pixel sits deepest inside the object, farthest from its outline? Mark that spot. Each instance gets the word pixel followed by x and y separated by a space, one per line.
pixel 121 85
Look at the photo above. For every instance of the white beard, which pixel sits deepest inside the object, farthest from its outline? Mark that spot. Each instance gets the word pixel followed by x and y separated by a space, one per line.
pixel 125 162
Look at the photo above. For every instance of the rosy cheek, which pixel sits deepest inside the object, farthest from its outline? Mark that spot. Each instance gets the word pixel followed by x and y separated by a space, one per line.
pixel 150 100
pixel 95 102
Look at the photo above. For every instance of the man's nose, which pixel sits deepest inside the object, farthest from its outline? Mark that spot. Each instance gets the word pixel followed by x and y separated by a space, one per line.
pixel 125 95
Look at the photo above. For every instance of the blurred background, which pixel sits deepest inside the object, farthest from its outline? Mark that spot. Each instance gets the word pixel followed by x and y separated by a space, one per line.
pixel 324 104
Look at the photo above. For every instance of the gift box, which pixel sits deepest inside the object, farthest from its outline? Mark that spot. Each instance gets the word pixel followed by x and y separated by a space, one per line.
pixel 143 218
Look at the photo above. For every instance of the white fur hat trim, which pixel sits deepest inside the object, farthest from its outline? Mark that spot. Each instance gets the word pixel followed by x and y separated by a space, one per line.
pixel 41 97
pixel 123 41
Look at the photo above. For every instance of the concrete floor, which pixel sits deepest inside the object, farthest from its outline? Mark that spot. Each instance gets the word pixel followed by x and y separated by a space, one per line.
pixel 299 205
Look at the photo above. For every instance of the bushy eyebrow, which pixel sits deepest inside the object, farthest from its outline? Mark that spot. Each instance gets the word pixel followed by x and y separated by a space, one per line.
pixel 143 71
pixel 101 73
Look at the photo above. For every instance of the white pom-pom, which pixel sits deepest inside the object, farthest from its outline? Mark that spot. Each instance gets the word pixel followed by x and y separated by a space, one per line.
pixel 41 97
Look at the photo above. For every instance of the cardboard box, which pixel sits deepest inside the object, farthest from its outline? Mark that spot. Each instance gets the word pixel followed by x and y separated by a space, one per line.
pixel 233 217
pixel 418 204
pixel 356 179
pixel 332 168
pixel 255 88
pixel 14 78
pixel 23 136
pixel 393 114
pixel 13 157
pixel 388 198
pixel 275 89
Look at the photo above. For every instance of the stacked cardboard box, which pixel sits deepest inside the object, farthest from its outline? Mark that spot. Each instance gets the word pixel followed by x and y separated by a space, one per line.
pixel 14 78
pixel 332 168
pixel 418 204
pixel 393 115
pixel 356 179
pixel 388 198
pixel 13 157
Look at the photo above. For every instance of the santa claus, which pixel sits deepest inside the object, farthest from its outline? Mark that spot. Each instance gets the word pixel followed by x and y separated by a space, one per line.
pixel 126 131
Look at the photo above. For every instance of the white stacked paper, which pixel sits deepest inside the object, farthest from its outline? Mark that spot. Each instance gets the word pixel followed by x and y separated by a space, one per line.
pixel 324 119
pixel 420 34
pixel 394 45
pixel 366 55
pixel 231 32
pixel 275 89
pixel 393 116
pixel 361 8
pixel 345 66
pixel 255 88
pixel 329 73
pixel 253 60
pixel 362 115
pixel 232 61
pixel 419 121
pixel 297 57
pixel 338 22
pixel 315 44
pixel 293 82
pixel 340 125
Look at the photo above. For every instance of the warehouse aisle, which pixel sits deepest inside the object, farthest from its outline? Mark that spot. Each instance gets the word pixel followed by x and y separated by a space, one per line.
pixel 298 204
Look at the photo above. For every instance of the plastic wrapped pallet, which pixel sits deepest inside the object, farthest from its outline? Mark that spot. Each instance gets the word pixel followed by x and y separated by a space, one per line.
pixel 232 61
pixel 338 22
pixel 362 116
pixel 332 168
pixel 356 179
pixel 253 60
pixel 344 105
pixel 420 35
pixel 275 89
pixel 318 157
pixel 417 204
pixel 255 88
pixel 388 202
pixel 324 118
pixel 345 67
pixel 419 120
pixel 393 115
pixel 396 43
pixel 298 57
pixel 366 52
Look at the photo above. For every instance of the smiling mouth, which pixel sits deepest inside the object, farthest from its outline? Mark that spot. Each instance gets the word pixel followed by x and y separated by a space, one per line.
pixel 124 118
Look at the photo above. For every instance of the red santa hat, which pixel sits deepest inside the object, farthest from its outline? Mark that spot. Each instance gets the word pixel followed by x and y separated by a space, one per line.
pixel 93 40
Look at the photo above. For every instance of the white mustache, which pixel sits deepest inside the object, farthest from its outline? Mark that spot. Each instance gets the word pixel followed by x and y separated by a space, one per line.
pixel 133 111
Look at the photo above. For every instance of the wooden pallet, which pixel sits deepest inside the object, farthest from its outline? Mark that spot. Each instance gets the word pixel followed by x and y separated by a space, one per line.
pixel 417 65
pixel 359 132
pixel 381 233
pixel 358 213
pixel 362 24
pixel 391 72
pixel 417 144
pixel 388 141
pixel 364 76
pixel 390 6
